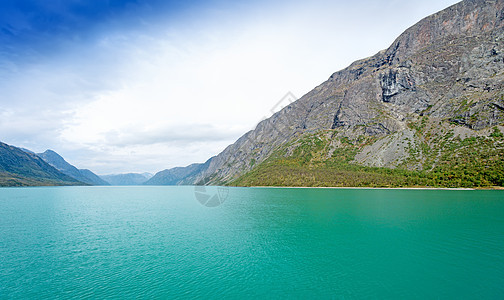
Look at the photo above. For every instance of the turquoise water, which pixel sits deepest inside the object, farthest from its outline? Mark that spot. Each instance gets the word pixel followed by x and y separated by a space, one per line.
pixel 160 242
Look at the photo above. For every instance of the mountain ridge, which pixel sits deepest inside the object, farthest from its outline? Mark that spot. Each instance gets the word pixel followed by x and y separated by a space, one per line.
pixel 82 175
pixel 177 175
pixel 443 73
pixel 126 178
pixel 21 168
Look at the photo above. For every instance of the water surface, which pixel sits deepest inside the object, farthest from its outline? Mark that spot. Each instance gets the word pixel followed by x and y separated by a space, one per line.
pixel 160 242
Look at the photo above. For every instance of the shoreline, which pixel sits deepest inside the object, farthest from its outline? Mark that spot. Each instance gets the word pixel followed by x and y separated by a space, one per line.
pixel 378 188
pixel 493 188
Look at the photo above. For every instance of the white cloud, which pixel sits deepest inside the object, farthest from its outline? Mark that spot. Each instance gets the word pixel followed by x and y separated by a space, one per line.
pixel 145 100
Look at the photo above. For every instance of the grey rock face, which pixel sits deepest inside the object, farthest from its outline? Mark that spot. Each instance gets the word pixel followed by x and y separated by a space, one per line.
pixel 394 82
pixel 389 151
pixel 449 67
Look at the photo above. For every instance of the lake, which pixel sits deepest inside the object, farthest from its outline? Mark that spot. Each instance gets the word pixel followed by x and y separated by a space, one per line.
pixel 178 242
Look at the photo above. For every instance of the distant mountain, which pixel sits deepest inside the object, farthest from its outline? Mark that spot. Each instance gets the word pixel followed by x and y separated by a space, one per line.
pixel 95 179
pixel 427 111
pixel 21 168
pixel 127 179
pixel 176 175
pixel 86 176
pixel 147 175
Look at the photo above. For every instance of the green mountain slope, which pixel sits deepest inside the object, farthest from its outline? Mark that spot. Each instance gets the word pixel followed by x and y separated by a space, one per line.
pixel 445 159
pixel 20 168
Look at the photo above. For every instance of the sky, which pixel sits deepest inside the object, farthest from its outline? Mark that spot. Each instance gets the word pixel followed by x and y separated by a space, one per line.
pixel 120 86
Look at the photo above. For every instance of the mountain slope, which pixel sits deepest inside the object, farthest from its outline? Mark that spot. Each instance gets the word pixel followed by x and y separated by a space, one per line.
pixel 127 179
pixel 176 176
pixel 408 107
pixel 20 168
pixel 92 177
pixel 450 161
pixel 86 176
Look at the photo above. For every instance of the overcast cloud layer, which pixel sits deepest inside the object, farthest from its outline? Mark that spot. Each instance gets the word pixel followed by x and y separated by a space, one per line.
pixel 141 86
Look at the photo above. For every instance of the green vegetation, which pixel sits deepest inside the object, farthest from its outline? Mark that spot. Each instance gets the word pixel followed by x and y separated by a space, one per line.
pixel 325 159
pixel 496 133
pixel 14 180
pixel 19 168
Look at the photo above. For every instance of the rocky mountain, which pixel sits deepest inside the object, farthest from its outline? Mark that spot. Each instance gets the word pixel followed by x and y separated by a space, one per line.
pixel 176 176
pixel 428 110
pixel 83 175
pixel 21 168
pixel 127 179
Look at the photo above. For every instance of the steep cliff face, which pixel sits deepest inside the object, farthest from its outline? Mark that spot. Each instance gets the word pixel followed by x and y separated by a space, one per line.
pixel 447 70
